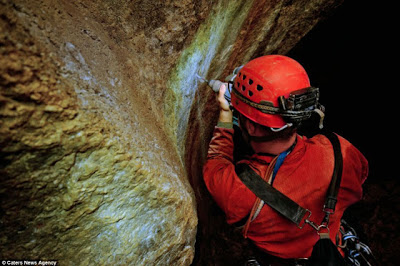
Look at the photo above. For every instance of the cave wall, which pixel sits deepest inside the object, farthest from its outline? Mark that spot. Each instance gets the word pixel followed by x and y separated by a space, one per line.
pixel 86 176
pixel 104 127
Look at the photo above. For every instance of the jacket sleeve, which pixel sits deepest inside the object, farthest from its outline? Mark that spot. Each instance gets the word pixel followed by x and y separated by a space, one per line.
pixel 355 172
pixel 220 177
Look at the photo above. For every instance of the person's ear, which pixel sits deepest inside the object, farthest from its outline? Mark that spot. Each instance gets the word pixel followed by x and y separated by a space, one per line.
pixel 251 127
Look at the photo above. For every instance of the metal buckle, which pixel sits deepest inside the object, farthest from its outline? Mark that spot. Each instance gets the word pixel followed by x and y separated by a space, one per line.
pixel 301 225
pixel 328 210
pixel 325 234
pixel 312 224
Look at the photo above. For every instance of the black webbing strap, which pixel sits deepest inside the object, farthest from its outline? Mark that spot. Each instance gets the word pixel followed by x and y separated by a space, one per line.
pixel 333 190
pixel 283 204
pixel 275 199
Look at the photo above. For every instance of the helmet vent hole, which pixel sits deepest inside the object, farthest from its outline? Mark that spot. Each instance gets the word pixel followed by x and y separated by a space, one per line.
pixel 238 85
pixel 250 81
pixel 244 77
pixel 243 88
pixel 259 88
pixel 250 93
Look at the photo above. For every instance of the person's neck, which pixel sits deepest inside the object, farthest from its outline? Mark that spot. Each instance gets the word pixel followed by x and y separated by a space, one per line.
pixel 275 146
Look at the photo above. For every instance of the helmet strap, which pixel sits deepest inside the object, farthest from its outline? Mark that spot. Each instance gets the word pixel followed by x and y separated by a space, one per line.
pixel 281 128
pixel 275 133
pixel 257 139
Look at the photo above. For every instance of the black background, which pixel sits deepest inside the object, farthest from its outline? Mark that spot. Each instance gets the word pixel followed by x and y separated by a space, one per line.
pixel 351 56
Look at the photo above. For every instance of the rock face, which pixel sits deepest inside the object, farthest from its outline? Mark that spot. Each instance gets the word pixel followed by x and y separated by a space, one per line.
pixel 73 188
pixel 104 127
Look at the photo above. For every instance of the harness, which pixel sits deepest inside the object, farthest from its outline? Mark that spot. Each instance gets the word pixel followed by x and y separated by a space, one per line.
pixel 267 194
pixel 284 205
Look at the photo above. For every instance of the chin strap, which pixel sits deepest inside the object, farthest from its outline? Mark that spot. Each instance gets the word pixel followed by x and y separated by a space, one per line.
pixel 258 139
pixel 247 137
pixel 281 128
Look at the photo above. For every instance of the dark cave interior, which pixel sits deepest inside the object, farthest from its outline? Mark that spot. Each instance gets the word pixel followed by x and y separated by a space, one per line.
pixel 350 59
pixel 343 57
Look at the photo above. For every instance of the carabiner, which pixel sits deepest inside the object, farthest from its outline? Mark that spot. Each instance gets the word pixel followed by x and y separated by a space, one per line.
pixel 313 225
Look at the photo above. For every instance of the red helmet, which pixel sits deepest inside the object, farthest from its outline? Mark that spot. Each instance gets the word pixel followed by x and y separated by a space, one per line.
pixel 261 82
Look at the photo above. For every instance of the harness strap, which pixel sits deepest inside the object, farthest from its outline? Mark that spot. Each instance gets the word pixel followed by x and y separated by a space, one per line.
pixel 333 190
pixel 259 203
pixel 279 161
pixel 275 199
pixel 269 177
pixel 283 204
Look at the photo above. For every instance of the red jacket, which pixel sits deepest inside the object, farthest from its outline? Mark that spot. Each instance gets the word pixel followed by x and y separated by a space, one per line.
pixel 304 177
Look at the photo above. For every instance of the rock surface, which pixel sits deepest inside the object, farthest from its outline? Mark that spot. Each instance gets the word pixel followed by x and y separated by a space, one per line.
pixel 104 126
pixel 72 188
